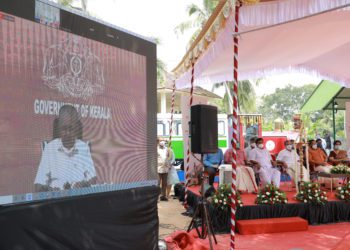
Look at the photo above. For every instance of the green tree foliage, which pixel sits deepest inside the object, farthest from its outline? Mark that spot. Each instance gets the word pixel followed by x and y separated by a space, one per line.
pixel 197 17
pixel 320 122
pixel 284 102
pixel 161 66
pixel 65 2
pixel 246 97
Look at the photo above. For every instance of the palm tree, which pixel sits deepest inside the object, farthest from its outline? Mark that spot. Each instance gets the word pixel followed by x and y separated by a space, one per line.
pixel 246 96
pixel 161 66
pixel 65 2
pixel 68 3
pixel 198 17
pixel 246 92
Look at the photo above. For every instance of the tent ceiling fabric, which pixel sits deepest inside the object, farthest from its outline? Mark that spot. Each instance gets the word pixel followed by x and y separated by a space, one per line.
pixel 322 97
pixel 318 45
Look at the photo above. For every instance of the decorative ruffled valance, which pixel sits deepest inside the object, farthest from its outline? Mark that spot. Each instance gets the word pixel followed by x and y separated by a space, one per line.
pixel 319 45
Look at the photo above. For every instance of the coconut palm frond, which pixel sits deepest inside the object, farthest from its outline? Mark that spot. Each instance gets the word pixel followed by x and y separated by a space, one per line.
pixel 182 27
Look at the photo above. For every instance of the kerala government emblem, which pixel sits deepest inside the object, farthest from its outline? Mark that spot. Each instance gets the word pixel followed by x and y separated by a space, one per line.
pixel 71 68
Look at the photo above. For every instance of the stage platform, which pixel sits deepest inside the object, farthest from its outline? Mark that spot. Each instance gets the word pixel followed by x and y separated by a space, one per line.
pixel 320 237
pixel 332 212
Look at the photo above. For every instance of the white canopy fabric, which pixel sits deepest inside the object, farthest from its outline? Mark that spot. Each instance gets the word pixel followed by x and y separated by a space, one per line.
pixel 315 40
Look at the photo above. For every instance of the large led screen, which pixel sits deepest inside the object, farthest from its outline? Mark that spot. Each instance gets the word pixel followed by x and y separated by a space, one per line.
pixel 73 113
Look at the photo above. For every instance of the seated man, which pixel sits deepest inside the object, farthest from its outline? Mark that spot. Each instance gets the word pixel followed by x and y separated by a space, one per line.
pixel 248 149
pixel 317 158
pixel 244 175
pixel 290 161
pixel 212 163
pixel 338 155
pixel 66 161
pixel 264 165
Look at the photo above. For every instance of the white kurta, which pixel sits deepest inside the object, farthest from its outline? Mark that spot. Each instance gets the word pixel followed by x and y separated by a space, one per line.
pixel 247 151
pixel 291 158
pixel 64 166
pixel 267 173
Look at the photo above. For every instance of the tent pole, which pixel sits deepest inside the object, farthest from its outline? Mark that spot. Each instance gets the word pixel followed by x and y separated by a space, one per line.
pixel 235 127
pixel 333 103
pixel 188 153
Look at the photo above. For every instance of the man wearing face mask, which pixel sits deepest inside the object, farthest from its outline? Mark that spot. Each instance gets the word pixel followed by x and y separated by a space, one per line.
pixel 248 149
pixel 261 158
pixel 290 161
pixel 318 158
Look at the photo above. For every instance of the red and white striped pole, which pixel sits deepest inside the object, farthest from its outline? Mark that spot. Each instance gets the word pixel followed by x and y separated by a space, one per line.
pixel 188 143
pixel 235 127
pixel 172 114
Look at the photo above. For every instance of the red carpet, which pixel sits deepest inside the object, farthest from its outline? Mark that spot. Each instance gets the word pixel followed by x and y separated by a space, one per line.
pixel 249 199
pixel 272 225
pixel 332 236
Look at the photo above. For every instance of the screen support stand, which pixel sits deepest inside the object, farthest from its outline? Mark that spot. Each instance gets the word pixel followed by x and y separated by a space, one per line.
pixel 201 219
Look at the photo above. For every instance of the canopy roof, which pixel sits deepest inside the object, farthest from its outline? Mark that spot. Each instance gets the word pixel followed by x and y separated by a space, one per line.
pixel 197 91
pixel 281 36
pixel 323 96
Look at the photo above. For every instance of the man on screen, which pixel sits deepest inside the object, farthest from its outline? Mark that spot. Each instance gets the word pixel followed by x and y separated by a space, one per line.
pixel 66 161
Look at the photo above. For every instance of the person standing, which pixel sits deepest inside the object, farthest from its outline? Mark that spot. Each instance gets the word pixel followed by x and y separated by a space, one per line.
pixel 164 159
pixel 173 178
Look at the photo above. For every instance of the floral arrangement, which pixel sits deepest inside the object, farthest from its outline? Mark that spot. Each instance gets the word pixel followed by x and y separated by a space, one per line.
pixel 343 193
pixel 340 169
pixel 222 197
pixel 270 194
pixel 311 193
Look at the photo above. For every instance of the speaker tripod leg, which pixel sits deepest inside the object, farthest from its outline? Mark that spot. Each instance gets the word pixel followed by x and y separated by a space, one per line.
pixel 193 222
pixel 207 226
pixel 210 226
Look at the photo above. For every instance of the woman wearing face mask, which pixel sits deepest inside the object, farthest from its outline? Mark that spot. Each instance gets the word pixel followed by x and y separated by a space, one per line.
pixel 338 155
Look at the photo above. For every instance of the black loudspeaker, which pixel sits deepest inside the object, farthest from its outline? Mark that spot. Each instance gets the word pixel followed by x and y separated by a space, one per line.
pixel 204 129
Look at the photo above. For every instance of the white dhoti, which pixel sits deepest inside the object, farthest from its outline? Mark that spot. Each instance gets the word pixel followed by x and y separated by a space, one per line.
pixel 268 175
pixel 246 179
pixel 295 175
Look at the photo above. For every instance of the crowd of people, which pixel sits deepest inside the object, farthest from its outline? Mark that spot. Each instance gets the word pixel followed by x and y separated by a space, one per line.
pixel 255 164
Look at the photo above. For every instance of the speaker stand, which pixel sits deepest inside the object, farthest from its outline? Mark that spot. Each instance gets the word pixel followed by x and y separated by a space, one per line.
pixel 201 219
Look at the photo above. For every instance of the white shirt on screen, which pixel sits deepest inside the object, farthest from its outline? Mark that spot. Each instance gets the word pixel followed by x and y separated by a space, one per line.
pixel 62 165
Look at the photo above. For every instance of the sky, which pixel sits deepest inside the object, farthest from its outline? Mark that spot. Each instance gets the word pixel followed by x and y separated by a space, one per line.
pixel 158 18
pixel 153 18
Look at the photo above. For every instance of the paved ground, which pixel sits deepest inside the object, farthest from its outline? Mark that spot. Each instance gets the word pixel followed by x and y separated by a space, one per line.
pixel 170 218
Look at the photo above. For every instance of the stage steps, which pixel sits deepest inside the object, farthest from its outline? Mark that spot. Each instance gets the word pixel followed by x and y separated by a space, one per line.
pixel 272 225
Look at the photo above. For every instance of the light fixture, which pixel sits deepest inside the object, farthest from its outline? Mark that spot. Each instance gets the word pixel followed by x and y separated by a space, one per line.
pixel 335 105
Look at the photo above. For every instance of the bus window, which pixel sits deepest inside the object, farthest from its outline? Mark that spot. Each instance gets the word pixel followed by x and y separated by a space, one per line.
pixel 178 128
pixel 160 129
pixel 221 128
